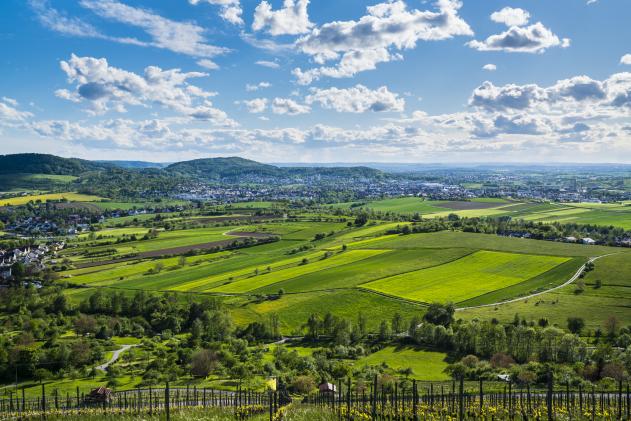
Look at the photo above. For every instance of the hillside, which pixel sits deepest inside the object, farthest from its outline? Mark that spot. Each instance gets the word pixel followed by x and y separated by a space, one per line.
pixel 32 163
pixel 226 168
pixel 216 168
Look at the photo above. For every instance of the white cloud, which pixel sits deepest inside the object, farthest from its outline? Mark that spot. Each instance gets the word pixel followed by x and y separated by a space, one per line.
pixel 208 64
pixel 535 38
pixel 9 112
pixel 626 59
pixel 490 67
pixel 67 25
pixel 269 64
pixel 260 85
pixel 291 19
pixel 106 87
pixel 231 10
pixel 256 105
pixel 180 37
pixel 358 99
pixel 510 16
pixel 288 106
pixel 376 37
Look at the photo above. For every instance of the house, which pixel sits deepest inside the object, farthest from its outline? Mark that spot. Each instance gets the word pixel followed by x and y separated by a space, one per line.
pixel 327 388
pixel 589 241
pixel 99 395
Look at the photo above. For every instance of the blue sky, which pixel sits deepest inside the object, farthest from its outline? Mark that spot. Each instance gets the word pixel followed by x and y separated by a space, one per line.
pixel 319 81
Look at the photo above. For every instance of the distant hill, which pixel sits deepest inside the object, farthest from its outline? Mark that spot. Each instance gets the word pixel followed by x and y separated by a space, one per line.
pixel 32 163
pixel 226 168
pixel 216 168
pixel 231 169
pixel 136 164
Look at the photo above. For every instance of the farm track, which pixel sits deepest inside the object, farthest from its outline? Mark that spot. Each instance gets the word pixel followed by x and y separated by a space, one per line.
pixel 566 283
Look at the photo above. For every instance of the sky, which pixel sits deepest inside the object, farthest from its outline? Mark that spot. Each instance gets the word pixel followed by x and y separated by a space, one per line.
pixel 317 81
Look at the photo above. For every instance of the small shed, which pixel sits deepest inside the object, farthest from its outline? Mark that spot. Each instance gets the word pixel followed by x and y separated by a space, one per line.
pixel 327 388
pixel 99 395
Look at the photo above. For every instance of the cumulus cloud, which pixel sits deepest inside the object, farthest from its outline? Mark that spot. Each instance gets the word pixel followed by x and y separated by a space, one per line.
pixel 291 19
pixel 534 38
pixel 501 98
pixel 377 37
pixel 260 85
pixel 490 67
pixel 230 10
pixel 289 107
pixel 180 37
pixel 105 87
pixel 626 59
pixel 510 16
pixel 256 105
pixel 358 99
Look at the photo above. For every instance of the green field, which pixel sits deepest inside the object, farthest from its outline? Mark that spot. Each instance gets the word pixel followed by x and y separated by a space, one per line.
pixel 473 275
pixel 376 274
pixel 594 305
pixel 411 205
pixel 71 197
pixel 426 365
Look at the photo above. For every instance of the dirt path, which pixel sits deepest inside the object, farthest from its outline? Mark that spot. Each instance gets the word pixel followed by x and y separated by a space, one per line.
pixel 514 300
pixel 115 356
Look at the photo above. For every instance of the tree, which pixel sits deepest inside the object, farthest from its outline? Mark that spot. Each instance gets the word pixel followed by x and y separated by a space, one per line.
pixel 181 261
pixel 384 331
pixel 361 219
pixel 203 362
pixel 440 314
pixel 397 323
pixel 575 324
pixel 303 384
pixel 158 267
pixel 611 325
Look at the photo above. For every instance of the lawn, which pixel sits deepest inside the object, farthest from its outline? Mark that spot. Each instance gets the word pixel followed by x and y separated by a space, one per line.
pixel 426 365
pixel 473 275
pixel 71 197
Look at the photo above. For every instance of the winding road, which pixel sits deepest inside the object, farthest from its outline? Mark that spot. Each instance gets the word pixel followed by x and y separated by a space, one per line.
pixel 568 282
pixel 115 356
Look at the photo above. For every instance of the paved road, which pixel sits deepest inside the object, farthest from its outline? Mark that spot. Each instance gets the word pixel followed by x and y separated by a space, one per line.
pixel 568 282
pixel 115 356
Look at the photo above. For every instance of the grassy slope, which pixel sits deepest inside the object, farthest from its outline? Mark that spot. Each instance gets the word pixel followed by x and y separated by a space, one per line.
pixel 294 309
pixel 266 279
pixel 473 275
pixel 380 266
pixel 594 305
pixel 427 365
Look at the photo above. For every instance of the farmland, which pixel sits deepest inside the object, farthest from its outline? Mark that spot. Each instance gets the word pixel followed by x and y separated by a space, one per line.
pixel 76 197
pixel 346 271
pixel 610 214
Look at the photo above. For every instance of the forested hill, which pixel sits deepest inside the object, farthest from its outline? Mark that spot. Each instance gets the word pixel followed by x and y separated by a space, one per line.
pixel 33 163
pixel 227 168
